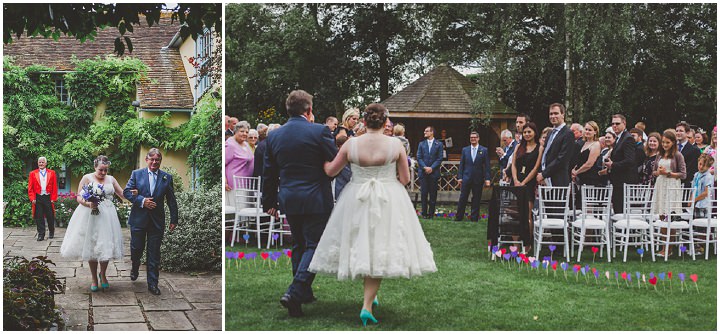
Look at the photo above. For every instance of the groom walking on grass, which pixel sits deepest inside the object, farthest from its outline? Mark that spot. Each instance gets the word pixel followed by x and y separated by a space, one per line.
pixel 147 217
pixel 295 183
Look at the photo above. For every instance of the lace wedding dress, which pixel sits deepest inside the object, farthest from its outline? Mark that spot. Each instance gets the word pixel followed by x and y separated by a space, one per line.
pixel 94 237
pixel 373 230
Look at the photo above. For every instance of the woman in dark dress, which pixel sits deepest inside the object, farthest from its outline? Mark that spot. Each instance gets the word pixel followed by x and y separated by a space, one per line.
pixel 651 151
pixel 586 169
pixel 525 165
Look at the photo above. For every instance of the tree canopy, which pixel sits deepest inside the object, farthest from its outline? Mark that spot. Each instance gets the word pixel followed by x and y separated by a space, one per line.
pixel 650 62
pixel 83 20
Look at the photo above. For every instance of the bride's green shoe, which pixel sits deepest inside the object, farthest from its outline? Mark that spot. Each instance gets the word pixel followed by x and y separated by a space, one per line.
pixel 103 285
pixel 365 315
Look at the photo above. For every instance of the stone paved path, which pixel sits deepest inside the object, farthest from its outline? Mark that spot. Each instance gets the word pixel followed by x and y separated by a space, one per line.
pixel 188 302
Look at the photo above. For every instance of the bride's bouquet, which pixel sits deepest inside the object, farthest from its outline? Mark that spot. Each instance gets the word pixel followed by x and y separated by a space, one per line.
pixel 94 193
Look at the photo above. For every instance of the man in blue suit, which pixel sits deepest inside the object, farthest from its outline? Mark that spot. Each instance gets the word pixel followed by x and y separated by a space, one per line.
pixel 147 216
pixel 429 157
pixel 295 183
pixel 473 173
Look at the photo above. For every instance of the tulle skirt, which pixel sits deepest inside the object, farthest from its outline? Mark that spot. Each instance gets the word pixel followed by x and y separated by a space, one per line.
pixel 376 238
pixel 91 237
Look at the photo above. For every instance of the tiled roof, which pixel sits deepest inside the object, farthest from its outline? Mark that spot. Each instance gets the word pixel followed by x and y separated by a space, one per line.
pixel 167 85
pixel 441 91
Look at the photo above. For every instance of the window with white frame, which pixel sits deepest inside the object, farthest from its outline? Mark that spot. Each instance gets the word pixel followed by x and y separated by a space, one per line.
pixel 203 52
pixel 61 91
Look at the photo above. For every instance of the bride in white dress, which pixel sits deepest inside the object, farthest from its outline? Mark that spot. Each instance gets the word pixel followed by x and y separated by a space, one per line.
pixel 373 232
pixel 95 238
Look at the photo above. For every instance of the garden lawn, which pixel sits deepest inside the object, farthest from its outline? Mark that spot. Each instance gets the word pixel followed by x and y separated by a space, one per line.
pixel 471 292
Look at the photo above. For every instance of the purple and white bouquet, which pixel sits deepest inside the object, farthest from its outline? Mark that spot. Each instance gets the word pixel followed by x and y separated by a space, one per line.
pixel 94 193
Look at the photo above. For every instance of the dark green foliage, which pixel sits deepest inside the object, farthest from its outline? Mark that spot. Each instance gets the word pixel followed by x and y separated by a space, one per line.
pixel 195 244
pixel 29 289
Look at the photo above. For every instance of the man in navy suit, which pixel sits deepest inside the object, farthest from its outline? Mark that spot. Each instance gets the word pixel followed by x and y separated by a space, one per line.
pixel 474 171
pixel 559 145
pixel 147 216
pixel 622 164
pixel 429 157
pixel 295 183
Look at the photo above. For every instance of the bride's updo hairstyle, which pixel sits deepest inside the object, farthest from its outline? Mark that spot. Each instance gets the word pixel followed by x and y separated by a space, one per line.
pixel 101 160
pixel 375 116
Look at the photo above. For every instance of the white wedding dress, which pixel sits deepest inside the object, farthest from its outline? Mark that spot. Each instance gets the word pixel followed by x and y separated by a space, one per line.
pixel 90 237
pixel 373 230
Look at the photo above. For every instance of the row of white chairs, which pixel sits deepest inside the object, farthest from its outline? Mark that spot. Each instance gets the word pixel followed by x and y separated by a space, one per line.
pixel 247 214
pixel 639 226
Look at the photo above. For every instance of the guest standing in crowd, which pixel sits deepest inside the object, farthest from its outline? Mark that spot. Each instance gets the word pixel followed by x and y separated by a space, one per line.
pixel 399 133
pixel 702 181
pixel 524 168
pixel 701 140
pixel 504 153
pixel 253 137
pixel 586 168
pixel 639 149
pixel 689 152
pixel 429 157
pixel 230 127
pixel 259 156
pixel 349 121
pixel 669 170
pixel 332 123
pixel 473 174
pixel 641 125
pixel 342 179
pixel 239 158
pixel 622 166
pixel 555 163
pixel 651 152
pixel 577 131
pixel 610 138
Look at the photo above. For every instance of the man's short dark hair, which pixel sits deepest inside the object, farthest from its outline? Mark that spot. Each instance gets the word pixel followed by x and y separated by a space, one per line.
pixel 432 128
pixel 684 124
pixel 475 133
pixel 526 116
pixel 559 105
pixel 298 102
pixel 636 131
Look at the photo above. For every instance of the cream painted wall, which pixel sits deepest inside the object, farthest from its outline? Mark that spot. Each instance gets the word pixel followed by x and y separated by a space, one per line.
pixel 187 50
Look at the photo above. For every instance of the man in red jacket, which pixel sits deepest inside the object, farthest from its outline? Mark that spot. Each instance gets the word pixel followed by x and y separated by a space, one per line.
pixel 43 193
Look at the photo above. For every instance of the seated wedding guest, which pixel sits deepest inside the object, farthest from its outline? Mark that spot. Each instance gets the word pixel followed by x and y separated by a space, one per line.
pixel 701 140
pixel 669 170
pixel 349 122
pixel 253 137
pixel 239 158
pixel 651 151
pixel 342 179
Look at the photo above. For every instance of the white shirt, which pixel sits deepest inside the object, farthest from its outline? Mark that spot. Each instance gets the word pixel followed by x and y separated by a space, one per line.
pixel 430 143
pixel 683 145
pixel 473 152
pixel 43 181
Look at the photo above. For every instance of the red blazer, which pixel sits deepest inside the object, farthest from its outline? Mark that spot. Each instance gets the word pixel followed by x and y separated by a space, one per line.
pixel 34 187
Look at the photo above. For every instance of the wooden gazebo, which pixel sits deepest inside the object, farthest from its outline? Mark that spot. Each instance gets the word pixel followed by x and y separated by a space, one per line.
pixel 442 98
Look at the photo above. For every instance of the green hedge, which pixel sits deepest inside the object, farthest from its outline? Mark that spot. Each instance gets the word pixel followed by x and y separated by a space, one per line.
pixel 196 243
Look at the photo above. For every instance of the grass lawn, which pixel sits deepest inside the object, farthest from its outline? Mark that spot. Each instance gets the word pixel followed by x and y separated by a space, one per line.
pixel 470 292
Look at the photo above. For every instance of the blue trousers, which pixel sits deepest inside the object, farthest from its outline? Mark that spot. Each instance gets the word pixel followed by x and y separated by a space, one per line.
pixel 465 190
pixel 148 238
pixel 306 232
pixel 428 194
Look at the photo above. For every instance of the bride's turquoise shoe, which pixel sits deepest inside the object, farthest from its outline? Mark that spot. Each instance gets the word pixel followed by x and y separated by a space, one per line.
pixel 93 288
pixel 365 315
pixel 375 302
pixel 103 285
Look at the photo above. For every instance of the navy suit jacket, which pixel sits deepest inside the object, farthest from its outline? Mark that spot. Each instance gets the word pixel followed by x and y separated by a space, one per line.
pixel 505 159
pixel 624 168
pixel 474 172
pixel 429 158
pixel 293 175
pixel 691 153
pixel 557 160
pixel 143 217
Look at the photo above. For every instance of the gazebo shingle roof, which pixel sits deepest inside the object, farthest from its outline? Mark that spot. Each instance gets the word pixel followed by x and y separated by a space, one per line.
pixel 441 92
pixel 167 85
